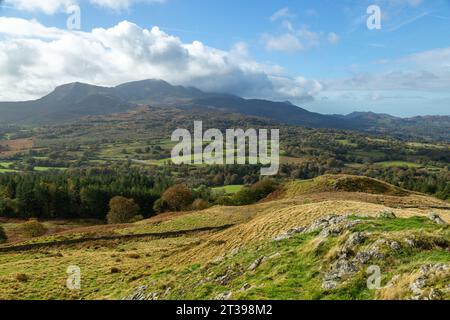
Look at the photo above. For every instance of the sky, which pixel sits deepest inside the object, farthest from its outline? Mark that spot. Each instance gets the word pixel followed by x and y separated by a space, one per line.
pixel 323 55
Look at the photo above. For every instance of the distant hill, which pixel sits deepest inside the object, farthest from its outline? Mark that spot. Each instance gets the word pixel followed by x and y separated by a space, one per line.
pixel 431 127
pixel 73 101
pixel 67 102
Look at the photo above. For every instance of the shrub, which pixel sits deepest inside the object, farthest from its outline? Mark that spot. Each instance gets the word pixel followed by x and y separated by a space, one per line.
pixel 22 277
pixel 177 198
pixel 160 206
pixel 32 228
pixel 115 270
pixel 200 204
pixel 137 218
pixel 3 236
pixel 122 210
pixel 254 193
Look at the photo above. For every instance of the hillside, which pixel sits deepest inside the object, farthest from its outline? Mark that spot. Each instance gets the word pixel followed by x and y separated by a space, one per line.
pixel 293 245
pixel 73 101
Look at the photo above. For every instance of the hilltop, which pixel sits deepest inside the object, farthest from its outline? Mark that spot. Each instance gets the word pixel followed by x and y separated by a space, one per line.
pixel 296 244
pixel 74 101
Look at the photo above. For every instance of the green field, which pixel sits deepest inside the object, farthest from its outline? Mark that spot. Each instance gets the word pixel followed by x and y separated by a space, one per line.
pixel 44 169
pixel 228 189
pixel 387 164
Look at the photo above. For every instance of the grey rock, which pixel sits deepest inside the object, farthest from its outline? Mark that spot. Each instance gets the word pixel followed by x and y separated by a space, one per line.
pixel 410 243
pixel 437 219
pixel 355 239
pixel 420 286
pixel 386 214
pixel 224 296
pixel 340 270
pixel 395 245
pixel 245 287
pixel 289 234
pixel 256 263
pixel 139 294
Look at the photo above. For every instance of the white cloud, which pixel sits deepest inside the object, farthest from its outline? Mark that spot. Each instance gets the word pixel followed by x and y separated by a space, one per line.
pixel 333 38
pixel 53 6
pixel 296 40
pixel 283 13
pixel 287 42
pixel 46 6
pixel 34 59
pixel 426 71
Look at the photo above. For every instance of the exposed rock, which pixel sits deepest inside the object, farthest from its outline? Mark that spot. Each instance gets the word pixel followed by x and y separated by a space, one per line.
pixel 141 294
pixel 325 222
pixel 245 287
pixel 373 252
pixel 332 225
pixel 218 259
pixel 224 296
pixel 274 256
pixel 256 263
pixel 410 243
pixel 394 245
pixel 289 234
pixel 386 214
pixel 437 219
pixel 355 239
pixel 340 270
pixel 421 287
pixel 235 251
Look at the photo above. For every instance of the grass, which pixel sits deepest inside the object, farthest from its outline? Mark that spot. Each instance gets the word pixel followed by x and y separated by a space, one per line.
pixel 388 164
pixel 341 183
pixel 5 167
pixel 44 169
pixel 204 265
pixel 395 225
pixel 346 142
pixel 231 189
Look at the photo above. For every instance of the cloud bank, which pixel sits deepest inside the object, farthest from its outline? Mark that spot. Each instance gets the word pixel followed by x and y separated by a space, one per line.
pixel 35 58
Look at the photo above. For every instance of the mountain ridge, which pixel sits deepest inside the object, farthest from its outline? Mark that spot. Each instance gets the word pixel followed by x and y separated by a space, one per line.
pixel 75 100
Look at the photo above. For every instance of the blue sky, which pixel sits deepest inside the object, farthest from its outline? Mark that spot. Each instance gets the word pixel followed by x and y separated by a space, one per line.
pixel 318 54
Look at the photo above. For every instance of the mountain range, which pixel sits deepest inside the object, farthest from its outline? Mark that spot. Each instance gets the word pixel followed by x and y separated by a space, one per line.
pixel 75 100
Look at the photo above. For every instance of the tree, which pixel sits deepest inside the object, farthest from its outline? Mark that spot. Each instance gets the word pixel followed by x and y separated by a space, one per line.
pixel 160 206
pixel 3 236
pixel 178 197
pixel 122 210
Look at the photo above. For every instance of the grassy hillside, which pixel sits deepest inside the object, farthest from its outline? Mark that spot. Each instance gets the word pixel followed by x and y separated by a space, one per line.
pixel 294 245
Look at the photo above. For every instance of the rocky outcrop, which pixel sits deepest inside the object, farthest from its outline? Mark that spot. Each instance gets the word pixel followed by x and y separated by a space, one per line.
pixel 423 287
pixel 437 219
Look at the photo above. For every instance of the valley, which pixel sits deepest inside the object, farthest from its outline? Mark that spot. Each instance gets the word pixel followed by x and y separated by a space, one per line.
pixel 345 201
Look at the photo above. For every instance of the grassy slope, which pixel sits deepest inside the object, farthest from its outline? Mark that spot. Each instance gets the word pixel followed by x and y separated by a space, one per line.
pixel 205 264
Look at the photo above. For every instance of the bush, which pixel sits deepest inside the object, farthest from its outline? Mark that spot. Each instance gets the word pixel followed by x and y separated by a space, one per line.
pixel 160 206
pixel 21 277
pixel 200 204
pixel 254 193
pixel 122 210
pixel 32 228
pixel 3 236
pixel 177 198
pixel 137 218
